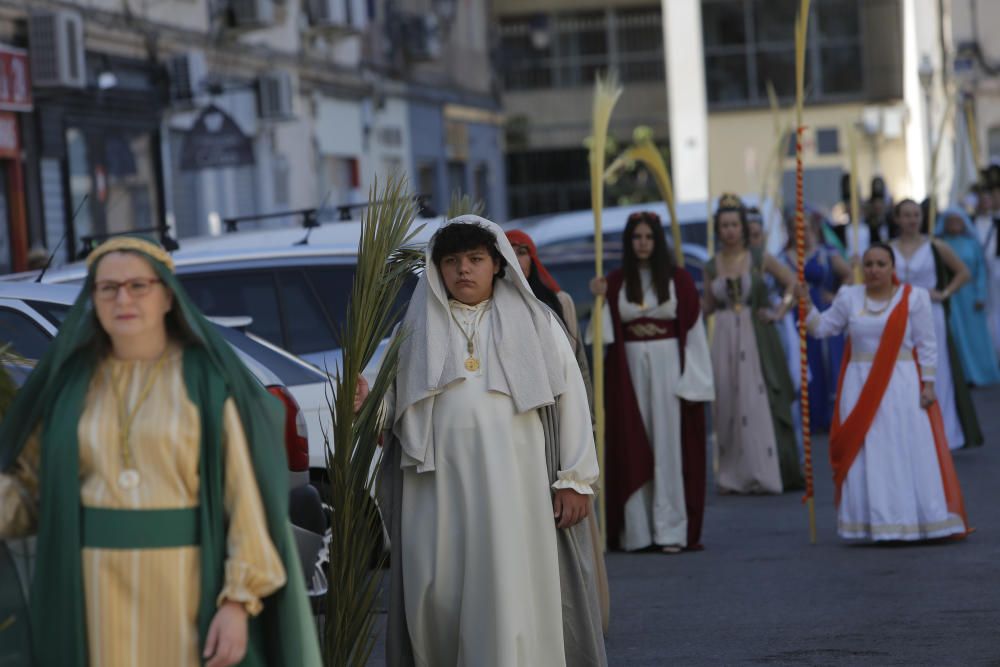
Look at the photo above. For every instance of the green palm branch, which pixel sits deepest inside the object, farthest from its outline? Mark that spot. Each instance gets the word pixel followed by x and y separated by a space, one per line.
pixel 386 260
pixel 465 204
pixel 7 386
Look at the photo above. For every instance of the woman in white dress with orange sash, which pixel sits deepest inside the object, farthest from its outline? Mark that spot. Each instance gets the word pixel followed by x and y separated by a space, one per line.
pixel 892 468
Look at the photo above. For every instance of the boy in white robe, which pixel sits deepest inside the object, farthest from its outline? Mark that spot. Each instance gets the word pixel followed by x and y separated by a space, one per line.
pixel 482 569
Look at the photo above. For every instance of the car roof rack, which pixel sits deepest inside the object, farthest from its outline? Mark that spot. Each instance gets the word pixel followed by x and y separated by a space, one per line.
pixel 91 241
pixel 311 216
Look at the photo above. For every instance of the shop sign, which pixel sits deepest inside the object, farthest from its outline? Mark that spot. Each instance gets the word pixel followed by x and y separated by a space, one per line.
pixel 15 89
pixel 10 141
pixel 215 142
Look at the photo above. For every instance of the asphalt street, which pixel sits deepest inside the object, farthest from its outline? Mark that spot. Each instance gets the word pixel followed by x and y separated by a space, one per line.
pixel 761 594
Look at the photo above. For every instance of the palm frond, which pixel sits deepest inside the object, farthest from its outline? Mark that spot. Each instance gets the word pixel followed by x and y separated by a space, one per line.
pixel 7 386
pixel 465 204
pixel 386 260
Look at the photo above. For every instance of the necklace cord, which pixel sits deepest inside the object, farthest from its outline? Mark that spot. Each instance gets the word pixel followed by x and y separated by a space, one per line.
pixel 127 417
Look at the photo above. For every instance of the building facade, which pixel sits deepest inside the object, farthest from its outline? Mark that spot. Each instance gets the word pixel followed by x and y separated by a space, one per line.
pixel 977 74
pixel 875 68
pixel 177 116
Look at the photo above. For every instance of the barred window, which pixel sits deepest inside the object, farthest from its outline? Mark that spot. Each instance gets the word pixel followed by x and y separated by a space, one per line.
pixel 750 44
pixel 569 49
pixel 640 44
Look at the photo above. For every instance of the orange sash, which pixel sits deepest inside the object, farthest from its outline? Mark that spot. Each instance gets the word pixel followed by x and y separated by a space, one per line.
pixel 847 438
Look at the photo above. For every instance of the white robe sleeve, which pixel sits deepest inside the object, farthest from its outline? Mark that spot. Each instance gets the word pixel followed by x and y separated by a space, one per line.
pixel 606 323
pixel 696 383
pixel 922 331
pixel 833 320
pixel 578 455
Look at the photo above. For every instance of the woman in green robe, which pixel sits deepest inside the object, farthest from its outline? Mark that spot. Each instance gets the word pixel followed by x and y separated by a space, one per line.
pixel 754 392
pixel 48 445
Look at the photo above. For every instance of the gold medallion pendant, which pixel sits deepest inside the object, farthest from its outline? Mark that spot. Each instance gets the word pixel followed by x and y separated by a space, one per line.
pixel 128 479
pixel 472 364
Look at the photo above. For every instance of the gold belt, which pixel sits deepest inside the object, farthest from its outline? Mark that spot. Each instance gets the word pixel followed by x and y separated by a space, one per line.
pixel 904 355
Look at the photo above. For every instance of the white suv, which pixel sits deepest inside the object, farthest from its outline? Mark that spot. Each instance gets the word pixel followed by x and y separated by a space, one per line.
pixel 295 294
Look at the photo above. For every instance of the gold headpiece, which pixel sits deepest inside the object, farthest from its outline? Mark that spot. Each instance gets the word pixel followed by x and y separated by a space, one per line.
pixel 729 201
pixel 133 243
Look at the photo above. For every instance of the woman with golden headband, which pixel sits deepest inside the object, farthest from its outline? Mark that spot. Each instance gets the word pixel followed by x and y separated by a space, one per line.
pixel 141 443
pixel 754 392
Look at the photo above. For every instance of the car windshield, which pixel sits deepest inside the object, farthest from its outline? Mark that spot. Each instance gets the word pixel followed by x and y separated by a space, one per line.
pixel 53 312
pixel 298 308
pixel 291 371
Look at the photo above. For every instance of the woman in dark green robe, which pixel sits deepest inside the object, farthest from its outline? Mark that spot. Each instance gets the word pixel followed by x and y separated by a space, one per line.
pixel 53 398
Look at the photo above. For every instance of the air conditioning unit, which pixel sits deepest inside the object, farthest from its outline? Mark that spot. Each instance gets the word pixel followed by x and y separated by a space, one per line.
pixel 274 95
pixel 55 49
pixel 252 13
pixel 421 38
pixel 328 13
pixel 187 72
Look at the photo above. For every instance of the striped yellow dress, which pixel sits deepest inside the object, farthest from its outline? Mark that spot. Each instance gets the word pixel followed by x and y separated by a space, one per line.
pixel 142 604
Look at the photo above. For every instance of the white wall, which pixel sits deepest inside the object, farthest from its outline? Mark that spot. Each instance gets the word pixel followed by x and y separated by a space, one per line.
pixel 682 39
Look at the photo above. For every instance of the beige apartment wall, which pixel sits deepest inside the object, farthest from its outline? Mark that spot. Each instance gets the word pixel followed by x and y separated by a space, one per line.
pixel 182 14
pixel 981 27
pixel 741 145
pixel 561 117
pixel 465 59
pixel 285 36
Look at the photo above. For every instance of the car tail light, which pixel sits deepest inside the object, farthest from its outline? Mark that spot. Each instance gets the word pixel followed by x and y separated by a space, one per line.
pixel 296 433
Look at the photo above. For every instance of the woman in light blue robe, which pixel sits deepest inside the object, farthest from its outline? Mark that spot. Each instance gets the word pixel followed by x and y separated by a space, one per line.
pixel 967 316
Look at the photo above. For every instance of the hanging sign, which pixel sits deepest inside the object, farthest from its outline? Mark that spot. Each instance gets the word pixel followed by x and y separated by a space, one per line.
pixel 215 142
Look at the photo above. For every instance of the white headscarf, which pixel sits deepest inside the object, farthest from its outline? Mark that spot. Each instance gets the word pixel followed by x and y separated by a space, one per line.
pixel 522 361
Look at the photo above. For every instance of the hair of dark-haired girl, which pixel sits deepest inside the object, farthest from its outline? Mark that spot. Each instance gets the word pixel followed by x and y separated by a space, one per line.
pixel 544 293
pixel 661 262
pixel 744 221
pixel 883 246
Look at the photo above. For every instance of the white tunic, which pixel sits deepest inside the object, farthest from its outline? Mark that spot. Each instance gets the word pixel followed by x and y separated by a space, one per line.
pixel 656 513
pixel 479 561
pixel 893 490
pixel 919 271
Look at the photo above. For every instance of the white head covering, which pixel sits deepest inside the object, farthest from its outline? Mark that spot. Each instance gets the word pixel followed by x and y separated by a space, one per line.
pixel 522 361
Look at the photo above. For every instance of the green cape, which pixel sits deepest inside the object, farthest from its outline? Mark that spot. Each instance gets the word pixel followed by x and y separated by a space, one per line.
pixel 53 396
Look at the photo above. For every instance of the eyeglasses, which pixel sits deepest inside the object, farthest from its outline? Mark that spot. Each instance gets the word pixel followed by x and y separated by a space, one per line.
pixel 107 290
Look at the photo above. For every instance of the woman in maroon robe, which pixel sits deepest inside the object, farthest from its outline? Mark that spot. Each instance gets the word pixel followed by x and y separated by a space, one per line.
pixel 658 376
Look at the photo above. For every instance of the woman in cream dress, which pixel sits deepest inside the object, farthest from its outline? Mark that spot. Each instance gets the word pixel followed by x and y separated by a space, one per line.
pixel 141 443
